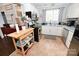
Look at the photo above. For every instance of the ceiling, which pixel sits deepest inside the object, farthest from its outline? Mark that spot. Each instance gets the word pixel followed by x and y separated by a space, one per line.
pixel 49 5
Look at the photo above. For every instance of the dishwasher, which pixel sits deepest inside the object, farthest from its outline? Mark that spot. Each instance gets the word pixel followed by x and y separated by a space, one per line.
pixel 65 34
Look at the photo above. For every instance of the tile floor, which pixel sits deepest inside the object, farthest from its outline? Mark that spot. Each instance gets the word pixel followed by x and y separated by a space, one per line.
pixel 47 47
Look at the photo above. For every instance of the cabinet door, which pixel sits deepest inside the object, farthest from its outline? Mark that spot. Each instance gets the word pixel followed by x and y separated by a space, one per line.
pixel 73 11
pixel 49 30
pixel 56 31
pixel 59 31
pixel 45 30
pixel 69 39
pixel 53 31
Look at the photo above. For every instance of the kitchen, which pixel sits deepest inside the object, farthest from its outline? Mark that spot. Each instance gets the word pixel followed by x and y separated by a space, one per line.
pixel 68 20
pixel 54 20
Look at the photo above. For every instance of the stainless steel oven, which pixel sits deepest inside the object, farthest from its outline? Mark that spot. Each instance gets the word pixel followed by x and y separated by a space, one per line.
pixel 76 33
pixel 75 40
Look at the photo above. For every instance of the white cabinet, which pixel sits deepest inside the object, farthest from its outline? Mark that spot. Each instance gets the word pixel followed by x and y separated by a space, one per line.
pixel 45 30
pixel 52 30
pixel 59 31
pixel 68 34
pixel 73 11
pixel 69 38
pixel 56 31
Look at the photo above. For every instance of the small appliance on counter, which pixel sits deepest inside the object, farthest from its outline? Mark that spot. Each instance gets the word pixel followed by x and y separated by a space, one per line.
pixel 71 21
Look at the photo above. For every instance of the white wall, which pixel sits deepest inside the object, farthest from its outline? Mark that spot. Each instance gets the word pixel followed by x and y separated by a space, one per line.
pixel 33 9
pixel 41 12
pixel 29 7
pixel 42 8
pixel 42 16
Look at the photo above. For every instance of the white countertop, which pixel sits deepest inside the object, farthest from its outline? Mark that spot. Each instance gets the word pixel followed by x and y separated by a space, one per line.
pixel 70 28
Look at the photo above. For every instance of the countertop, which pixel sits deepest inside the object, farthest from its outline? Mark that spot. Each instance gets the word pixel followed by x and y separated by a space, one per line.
pixel 70 28
pixel 21 32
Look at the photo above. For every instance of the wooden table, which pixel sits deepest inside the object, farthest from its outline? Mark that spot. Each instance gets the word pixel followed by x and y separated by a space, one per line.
pixel 20 36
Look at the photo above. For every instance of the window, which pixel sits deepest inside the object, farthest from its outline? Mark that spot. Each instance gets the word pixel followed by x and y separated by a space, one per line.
pixel 52 16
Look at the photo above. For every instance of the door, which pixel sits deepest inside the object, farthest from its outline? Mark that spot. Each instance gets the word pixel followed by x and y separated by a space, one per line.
pixel 4 17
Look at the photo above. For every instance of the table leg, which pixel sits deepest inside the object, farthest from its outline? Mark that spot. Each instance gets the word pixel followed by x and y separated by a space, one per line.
pixel 14 43
pixel 22 47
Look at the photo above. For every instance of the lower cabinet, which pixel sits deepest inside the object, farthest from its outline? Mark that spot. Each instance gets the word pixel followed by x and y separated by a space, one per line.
pixel 52 30
pixel 58 31
pixel 45 30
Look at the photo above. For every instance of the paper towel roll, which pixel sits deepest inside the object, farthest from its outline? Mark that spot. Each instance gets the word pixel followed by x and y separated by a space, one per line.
pixel 23 27
pixel 17 28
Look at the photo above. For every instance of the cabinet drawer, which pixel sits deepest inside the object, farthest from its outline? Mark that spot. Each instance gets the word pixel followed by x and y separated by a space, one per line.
pixel 25 35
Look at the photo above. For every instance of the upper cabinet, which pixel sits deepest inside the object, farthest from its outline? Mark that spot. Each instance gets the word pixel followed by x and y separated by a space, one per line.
pixel 73 11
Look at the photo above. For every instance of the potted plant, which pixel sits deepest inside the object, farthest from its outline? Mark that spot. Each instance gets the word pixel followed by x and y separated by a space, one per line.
pixel 23 18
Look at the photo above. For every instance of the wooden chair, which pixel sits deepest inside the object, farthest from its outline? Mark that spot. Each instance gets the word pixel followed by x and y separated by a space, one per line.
pixel 7 30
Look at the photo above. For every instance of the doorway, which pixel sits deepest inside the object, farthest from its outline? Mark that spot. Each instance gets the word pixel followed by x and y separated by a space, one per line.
pixel 4 17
